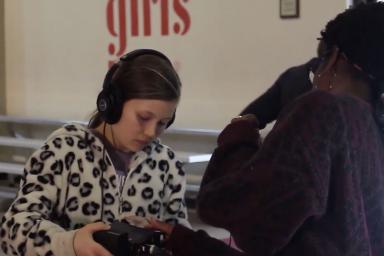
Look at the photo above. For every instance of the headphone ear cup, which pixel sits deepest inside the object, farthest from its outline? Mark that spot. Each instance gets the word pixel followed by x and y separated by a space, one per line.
pixel 172 120
pixel 115 112
pixel 109 105
pixel 109 99
pixel 103 104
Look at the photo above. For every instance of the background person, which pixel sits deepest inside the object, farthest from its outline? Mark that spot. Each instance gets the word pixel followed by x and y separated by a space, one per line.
pixel 292 83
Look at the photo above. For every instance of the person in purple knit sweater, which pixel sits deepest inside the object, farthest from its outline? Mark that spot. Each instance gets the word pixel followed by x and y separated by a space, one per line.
pixel 316 184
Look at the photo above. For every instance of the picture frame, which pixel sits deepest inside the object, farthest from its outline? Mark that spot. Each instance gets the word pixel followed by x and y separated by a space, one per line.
pixel 289 9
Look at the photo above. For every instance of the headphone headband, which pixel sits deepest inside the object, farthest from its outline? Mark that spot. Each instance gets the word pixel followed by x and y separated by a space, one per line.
pixel 109 101
pixel 136 53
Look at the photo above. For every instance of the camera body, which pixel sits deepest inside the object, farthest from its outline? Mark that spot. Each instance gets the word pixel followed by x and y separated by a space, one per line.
pixel 128 240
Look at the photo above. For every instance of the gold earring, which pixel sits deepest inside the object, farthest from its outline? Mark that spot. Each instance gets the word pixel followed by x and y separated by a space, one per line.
pixel 311 78
pixel 330 86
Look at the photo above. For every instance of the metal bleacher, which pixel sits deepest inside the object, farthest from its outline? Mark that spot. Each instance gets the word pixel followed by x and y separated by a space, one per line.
pixel 20 136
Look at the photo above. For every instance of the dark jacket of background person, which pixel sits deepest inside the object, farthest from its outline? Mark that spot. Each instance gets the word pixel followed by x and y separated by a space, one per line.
pixel 290 84
pixel 318 193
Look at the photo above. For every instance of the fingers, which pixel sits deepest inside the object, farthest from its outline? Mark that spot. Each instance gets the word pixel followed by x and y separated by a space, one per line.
pixel 162 226
pixel 244 117
pixel 83 242
pixel 93 227
pixel 95 250
pixel 152 223
pixel 100 250
pixel 137 220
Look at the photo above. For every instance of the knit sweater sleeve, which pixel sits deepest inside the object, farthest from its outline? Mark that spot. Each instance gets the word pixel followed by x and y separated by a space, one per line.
pixel 186 242
pixel 265 200
pixel 28 228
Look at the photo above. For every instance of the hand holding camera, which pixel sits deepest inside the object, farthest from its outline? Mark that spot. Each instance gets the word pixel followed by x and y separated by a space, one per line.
pixel 85 245
pixel 125 239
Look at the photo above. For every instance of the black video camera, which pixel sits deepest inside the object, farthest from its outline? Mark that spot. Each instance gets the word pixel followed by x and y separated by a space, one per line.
pixel 124 239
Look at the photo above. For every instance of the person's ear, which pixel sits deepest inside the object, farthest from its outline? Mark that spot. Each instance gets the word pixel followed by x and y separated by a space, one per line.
pixel 326 71
pixel 331 61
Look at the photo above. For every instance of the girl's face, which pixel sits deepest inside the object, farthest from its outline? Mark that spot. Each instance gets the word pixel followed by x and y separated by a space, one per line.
pixel 142 120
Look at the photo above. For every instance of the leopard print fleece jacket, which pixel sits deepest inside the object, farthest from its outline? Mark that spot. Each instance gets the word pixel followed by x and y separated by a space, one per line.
pixel 70 182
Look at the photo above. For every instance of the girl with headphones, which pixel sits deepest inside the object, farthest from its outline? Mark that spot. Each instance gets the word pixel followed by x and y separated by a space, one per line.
pixel 84 178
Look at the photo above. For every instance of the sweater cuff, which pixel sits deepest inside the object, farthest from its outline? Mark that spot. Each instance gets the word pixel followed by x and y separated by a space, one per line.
pixel 62 243
pixel 243 131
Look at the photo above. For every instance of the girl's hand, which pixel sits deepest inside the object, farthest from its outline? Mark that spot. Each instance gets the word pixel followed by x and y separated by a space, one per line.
pixel 83 242
pixel 159 225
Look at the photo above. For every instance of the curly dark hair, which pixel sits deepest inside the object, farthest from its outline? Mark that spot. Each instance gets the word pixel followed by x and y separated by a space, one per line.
pixel 358 32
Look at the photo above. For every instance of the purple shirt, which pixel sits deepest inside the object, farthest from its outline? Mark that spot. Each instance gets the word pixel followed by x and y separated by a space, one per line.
pixel 120 159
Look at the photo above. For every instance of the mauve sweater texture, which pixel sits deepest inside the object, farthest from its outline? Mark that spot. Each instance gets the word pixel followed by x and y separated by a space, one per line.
pixel 315 186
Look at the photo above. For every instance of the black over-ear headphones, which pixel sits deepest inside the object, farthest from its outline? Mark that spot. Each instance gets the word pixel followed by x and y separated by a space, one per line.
pixel 110 100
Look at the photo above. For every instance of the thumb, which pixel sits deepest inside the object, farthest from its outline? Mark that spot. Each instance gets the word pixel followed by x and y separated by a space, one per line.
pixel 93 227
pixel 162 226
pixel 99 250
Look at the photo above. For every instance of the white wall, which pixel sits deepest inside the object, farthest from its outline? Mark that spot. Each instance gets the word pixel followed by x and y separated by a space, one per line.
pixel 57 53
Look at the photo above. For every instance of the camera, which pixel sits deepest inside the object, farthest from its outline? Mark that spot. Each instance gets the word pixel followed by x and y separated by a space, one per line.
pixel 124 239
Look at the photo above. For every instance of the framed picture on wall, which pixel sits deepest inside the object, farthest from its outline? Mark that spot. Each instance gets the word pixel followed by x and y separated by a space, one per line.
pixel 289 9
